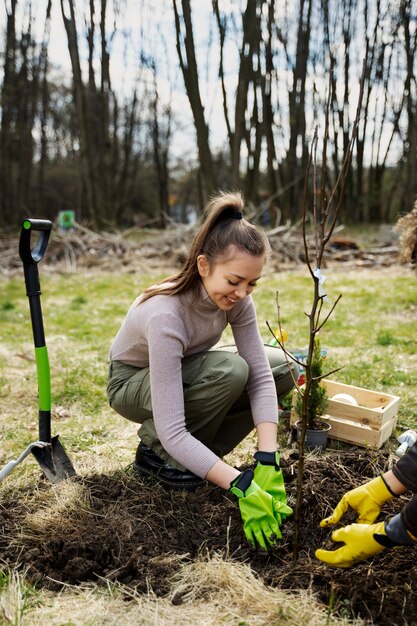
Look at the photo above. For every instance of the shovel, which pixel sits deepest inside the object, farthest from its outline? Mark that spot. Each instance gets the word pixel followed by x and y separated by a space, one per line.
pixel 48 451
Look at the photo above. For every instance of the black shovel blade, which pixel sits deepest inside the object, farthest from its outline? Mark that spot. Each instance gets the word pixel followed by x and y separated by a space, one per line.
pixel 54 461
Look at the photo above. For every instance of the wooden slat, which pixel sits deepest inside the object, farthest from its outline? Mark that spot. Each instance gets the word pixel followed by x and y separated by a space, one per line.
pixel 369 424
pixel 352 432
pixel 374 408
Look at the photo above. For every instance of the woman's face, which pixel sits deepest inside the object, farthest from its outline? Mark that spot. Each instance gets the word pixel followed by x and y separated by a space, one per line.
pixel 232 278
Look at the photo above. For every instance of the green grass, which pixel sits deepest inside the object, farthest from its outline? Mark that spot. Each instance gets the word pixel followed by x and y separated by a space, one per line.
pixel 371 336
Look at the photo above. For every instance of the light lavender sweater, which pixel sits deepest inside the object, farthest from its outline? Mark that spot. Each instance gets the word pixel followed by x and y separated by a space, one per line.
pixel 162 331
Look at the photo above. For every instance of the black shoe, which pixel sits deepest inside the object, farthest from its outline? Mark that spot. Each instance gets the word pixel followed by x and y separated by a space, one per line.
pixel 150 464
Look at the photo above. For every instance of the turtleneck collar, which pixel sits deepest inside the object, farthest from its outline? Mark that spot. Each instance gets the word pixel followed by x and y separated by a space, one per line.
pixel 205 301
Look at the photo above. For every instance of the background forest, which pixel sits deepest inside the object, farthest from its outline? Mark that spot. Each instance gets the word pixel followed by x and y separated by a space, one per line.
pixel 158 104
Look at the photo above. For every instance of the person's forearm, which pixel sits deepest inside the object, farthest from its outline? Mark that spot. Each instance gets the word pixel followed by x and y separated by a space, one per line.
pixel 267 436
pixel 394 485
pixel 222 474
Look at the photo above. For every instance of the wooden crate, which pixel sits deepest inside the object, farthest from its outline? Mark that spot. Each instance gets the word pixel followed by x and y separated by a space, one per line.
pixel 368 424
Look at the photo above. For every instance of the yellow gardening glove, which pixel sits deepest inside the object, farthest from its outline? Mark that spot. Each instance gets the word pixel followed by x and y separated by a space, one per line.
pixel 360 543
pixel 366 500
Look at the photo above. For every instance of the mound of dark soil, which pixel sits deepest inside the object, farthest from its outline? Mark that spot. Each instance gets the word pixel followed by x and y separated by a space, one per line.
pixel 138 534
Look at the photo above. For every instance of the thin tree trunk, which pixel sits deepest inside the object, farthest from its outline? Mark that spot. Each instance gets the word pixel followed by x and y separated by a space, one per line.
pixel 188 64
pixel 268 112
pixel 43 72
pixel 86 145
pixel 6 158
pixel 297 156
pixel 410 151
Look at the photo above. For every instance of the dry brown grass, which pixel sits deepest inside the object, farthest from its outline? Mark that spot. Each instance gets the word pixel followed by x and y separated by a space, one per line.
pixel 407 229
pixel 207 592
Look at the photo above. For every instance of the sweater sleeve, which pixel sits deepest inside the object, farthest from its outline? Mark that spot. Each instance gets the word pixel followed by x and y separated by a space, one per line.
pixel 166 337
pixel 260 385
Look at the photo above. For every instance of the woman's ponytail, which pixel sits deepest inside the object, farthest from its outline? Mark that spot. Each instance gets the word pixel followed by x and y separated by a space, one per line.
pixel 223 226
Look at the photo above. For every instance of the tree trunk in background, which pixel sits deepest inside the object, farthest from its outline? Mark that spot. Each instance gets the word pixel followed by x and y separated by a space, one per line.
pixel 249 47
pixel 19 102
pixel 106 131
pixel 7 204
pixel 410 147
pixel 370 207
pixel 348 21
pixel 188 64
pixel 26 98
pixel 81 106
pixel 44 109
pixel 297 156
pixel 221 25
pixel 160 142
pixel 268 114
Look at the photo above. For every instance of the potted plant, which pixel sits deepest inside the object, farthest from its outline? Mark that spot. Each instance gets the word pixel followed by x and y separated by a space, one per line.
pixel 312 401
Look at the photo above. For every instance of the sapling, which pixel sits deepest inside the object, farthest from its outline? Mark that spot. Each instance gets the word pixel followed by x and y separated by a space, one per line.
pixel 322 205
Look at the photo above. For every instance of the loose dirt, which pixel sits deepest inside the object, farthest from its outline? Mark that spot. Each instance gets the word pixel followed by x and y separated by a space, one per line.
pixel 120 528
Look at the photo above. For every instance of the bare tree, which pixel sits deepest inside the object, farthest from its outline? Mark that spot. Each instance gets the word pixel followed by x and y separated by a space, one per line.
pixel 160 141
pixel 188 64
pixel 44 106
pixel 297 101
pixel 410 86
pixel 107 158
pixel 7 98
pixel 81 106
pixel 19 100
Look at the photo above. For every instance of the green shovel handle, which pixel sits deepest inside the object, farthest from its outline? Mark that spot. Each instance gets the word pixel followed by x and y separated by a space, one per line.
pixel 31 255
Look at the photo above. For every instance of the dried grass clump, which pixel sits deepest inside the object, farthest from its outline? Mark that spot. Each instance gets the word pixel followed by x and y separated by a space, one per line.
pixel 208 592
pixel 60 510
pixel 406 226
pixel 242 597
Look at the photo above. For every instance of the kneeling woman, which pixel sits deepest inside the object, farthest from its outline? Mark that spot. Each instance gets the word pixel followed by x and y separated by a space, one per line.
pixel 196 403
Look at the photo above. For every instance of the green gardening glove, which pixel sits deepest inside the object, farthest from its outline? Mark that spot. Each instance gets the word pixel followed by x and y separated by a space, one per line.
pixel 257 509
pixel 268 475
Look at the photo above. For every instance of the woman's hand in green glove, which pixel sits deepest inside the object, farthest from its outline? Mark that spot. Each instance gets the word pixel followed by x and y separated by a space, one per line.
pixel 268 475
pixel 258 511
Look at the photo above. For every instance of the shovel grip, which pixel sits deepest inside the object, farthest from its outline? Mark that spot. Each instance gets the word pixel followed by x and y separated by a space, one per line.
pixel 32 254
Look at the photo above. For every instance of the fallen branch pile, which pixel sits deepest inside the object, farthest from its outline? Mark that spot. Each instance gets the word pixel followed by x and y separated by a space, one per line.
pixel 139 249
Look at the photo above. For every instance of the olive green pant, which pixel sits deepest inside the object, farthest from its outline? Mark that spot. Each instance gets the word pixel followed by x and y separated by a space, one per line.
pixel 216 403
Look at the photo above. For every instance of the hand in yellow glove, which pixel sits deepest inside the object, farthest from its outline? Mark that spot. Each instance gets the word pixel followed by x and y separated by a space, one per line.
pixel 366 500
pixel 360 543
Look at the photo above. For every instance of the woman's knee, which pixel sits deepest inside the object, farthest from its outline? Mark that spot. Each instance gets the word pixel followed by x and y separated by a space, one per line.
pixel 230 367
